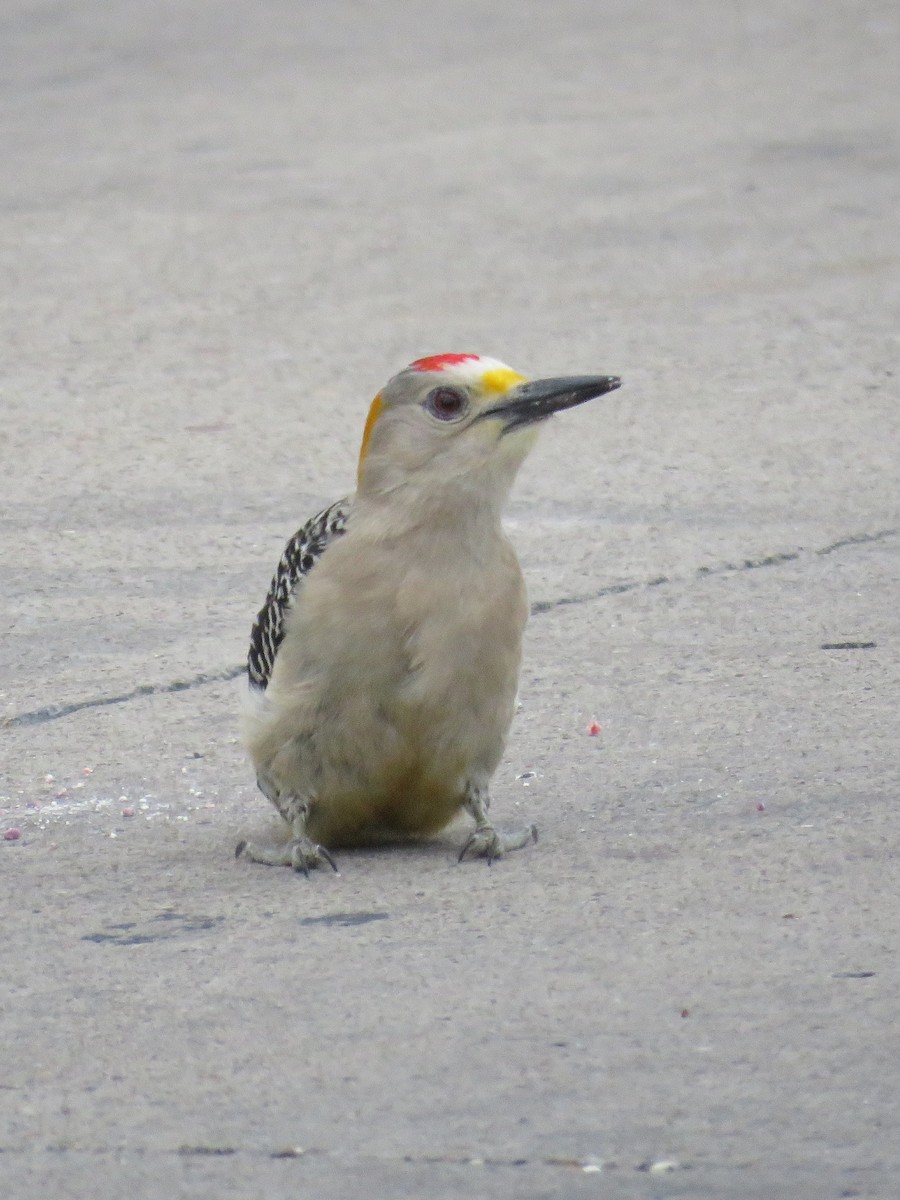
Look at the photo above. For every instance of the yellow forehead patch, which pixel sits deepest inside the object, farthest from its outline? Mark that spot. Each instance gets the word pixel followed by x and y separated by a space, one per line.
pixel 374 413
pixel 500 379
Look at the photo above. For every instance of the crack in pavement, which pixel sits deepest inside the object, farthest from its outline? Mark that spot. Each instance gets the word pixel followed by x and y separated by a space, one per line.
pixel 727 568
pixel 53 712
pixel 588 1164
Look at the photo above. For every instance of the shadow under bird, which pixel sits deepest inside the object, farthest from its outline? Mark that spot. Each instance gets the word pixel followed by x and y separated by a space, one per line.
pixel 384 664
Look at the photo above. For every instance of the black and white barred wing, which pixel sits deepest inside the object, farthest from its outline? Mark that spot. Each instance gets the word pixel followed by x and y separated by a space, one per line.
pixel 300 556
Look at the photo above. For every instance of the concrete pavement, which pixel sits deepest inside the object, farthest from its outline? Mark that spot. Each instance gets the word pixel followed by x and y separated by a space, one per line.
pixel 224 225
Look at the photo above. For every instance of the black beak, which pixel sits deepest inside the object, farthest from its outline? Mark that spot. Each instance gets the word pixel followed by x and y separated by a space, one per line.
pixel 538 399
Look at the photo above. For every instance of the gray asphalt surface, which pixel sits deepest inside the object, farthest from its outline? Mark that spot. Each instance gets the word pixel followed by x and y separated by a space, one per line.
pixel 224 225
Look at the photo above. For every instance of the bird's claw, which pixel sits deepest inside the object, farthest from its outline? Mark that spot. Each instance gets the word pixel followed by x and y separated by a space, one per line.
pixel 487 842
pixel 301 854
pixel 306 854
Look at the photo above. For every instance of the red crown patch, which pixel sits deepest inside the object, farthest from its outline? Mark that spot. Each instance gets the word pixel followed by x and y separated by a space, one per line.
pixel 440 362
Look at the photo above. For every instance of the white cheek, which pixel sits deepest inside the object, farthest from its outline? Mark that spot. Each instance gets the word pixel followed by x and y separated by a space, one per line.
pixel 520 441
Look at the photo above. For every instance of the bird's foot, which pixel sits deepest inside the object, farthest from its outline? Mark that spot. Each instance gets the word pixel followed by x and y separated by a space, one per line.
pixel 301 853
pixel 487 842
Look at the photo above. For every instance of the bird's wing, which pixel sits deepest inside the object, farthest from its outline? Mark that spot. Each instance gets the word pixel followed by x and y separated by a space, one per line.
pixel 300 555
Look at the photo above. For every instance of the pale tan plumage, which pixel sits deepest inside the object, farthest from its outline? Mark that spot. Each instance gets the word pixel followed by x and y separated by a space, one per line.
pixel 383 704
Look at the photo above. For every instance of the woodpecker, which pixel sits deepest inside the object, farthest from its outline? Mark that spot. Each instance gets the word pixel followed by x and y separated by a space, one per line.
pixel 383 666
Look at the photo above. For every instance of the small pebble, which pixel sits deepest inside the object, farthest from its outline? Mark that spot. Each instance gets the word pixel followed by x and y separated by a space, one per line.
pixel 594 728
pixel 760 807
pixel 12 835
pixel 128 811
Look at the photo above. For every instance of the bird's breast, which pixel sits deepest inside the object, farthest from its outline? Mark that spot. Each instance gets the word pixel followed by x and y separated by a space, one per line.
pixel 405 662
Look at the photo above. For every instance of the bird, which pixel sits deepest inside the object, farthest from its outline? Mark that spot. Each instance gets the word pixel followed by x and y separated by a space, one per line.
pixel 383 666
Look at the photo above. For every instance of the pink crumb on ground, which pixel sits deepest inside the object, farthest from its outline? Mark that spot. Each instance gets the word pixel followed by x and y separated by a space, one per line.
pixel 12 835
pixel 760 807
pixel 594 728
pixel 128 812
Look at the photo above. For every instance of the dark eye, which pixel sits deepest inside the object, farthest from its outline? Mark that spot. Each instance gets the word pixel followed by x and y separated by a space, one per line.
pixel 446 403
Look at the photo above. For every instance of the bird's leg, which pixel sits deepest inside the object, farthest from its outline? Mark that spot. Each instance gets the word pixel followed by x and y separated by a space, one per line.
pixel 300 852
pixel 485 841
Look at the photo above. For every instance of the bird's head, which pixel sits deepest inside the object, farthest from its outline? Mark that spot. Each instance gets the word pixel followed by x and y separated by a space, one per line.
pixel 461 422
